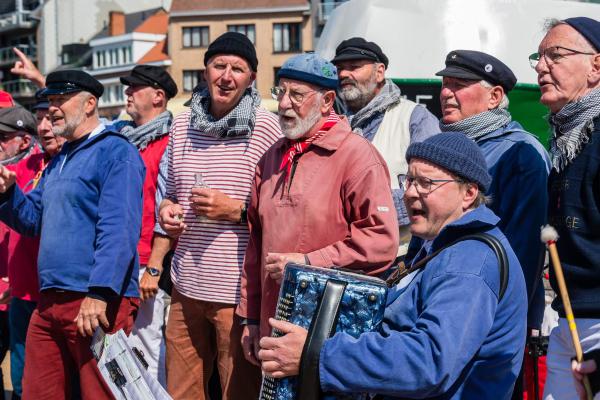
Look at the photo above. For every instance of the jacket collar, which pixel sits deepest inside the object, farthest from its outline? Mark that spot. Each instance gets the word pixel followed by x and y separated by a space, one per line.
pixel 480 219
pixel 97 134
pixel 511 127
pixel 335 136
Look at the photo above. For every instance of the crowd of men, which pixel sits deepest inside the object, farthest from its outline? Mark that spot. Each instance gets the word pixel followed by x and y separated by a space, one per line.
pixel 178 229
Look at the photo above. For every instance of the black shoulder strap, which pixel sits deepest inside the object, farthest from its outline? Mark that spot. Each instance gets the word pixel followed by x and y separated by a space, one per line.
pixel 486 238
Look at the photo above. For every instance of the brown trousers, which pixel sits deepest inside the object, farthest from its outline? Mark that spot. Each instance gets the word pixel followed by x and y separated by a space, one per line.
pixel 198 332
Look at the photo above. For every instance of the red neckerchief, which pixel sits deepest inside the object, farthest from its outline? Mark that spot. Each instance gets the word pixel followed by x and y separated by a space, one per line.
pixel 297 147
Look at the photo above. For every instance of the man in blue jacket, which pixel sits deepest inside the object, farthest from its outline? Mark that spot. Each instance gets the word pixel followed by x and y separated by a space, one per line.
pixel 87 209
pixel 447 331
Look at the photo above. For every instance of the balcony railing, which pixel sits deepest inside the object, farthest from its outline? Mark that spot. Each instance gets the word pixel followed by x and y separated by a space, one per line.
pixel 325 9
pixel 8 56
pixel 16 19
pixel 19 88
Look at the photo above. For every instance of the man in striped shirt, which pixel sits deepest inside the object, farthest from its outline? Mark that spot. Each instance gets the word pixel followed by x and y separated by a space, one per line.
pixel 212 154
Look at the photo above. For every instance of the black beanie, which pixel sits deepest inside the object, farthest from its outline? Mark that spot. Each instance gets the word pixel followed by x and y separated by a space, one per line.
pixel 233 43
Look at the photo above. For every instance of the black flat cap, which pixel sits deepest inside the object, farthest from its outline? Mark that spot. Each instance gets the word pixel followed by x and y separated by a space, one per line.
pixel 14 119
pixel 476 65
pixel 72 80
pixel 150 75
pixel 233 43
pixel 41 100
pixel 357 48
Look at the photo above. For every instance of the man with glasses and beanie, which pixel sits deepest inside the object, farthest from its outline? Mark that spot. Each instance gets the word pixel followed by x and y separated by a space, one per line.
pixel 377 111
pixel 212 154
pixel 320 196
pixel 474 101
pixel 454 323
pixel 87 209
pixel 568 68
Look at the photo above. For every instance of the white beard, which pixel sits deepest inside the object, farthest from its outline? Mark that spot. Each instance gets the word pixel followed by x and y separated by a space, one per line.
pixel 70 125
pixel 299 127
pixel 361 93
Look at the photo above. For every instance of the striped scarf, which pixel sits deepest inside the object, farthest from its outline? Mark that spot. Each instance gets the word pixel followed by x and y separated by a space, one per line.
pixel 571 128
pixel 386 98
pixel 297 147
pixel 142 135
pixel 479 125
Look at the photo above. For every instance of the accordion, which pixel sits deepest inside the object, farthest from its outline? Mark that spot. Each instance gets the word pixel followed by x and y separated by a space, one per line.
pixel 324 301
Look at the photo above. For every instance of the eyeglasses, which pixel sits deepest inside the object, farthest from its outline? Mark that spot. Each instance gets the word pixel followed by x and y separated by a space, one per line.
pixel 553 56
pixel 297 98
pixel 423 185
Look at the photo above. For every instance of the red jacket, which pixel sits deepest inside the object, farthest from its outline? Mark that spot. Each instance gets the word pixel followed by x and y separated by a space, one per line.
pixel 151 156
pixel 22 251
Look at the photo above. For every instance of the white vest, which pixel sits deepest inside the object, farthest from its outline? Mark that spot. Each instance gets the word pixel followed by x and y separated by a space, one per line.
pixel 393 138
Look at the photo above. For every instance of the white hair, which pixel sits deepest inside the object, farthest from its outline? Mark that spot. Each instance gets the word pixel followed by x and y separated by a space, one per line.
pixel 551 23
pixel 504 102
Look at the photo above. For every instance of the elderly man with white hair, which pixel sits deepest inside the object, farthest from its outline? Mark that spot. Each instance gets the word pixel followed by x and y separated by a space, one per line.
pixel 568 66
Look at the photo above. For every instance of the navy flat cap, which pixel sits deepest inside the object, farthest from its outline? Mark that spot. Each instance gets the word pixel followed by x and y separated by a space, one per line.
pixel 357 48
pixel 150 75
pixel 476 65
pixel 589 28
pixel 72 80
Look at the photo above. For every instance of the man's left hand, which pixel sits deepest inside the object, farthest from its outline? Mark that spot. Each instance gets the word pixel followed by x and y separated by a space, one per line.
pixel 275 263
pixel 281 356
pixel 214 204
pixel 92 313
pixel 148 286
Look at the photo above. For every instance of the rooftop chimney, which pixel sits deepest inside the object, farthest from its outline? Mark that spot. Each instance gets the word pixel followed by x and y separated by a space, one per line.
pixel 116 24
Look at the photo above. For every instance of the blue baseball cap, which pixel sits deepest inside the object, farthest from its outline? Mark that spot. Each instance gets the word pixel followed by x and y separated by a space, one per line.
pixel 310 68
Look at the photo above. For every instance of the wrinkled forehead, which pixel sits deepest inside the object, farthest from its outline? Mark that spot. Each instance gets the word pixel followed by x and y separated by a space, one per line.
pixel 566 36
pixel 297 85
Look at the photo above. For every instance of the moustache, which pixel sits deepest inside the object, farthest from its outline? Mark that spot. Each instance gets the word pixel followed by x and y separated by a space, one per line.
pixel 348 81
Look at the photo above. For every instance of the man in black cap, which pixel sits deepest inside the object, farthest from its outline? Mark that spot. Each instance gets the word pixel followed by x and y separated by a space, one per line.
pixel 377 111
pixel 87 210
pixel 474 101
pixel 568 66
pixel 213 152
pixel 149 89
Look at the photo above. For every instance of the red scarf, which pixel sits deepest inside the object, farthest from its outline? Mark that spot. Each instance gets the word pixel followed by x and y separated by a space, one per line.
pixel 297 147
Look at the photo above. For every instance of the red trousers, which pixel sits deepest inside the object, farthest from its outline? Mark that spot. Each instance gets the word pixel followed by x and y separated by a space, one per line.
pixel 54 350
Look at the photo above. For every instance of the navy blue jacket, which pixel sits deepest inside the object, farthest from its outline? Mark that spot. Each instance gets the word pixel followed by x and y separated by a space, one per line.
pixel 88 210
pixel 575 213
pixel 519 166
pixel 444 334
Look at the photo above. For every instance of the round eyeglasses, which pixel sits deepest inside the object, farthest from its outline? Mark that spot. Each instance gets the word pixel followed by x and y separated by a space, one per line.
pixel 554 55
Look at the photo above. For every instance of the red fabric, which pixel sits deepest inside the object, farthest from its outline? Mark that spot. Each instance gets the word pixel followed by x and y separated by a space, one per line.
pixel 529 390
pixel 298 147
pixel 151 156
pixel 54 349
pixel 22 251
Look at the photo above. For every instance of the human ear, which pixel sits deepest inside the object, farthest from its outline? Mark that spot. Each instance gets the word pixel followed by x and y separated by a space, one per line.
pixel 496 95
pixel 470 195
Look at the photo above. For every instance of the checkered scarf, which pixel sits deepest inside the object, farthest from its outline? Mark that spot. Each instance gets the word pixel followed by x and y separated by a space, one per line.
pixel 571 128
pixel 297 147
pixel 386 98
pixel 479 125
pixel 142 135
pixel 15 159
pixel 239 122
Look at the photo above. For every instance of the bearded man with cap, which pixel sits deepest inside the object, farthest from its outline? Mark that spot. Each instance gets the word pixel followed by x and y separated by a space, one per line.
pixel 22 251
pixel 377 111
pixel 320 196
pixel 149 89
pixel 568 66
pixel 474 101
pixel 87 210
pixel 212 153
pixel 448 332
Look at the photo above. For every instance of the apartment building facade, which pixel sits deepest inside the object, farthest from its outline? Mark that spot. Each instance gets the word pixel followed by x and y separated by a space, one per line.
pixel 278 29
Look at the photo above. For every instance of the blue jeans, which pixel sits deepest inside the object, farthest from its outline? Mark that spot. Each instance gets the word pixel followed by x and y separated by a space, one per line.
pixel 19 314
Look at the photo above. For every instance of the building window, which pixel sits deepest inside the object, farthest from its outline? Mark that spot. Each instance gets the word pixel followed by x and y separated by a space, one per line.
pixel 286 38
pixel 248 30
pixel 196 36
pixel 191 78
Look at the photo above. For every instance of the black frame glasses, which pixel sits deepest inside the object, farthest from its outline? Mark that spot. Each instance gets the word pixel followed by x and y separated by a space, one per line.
pixel 423 185
pixel 552 56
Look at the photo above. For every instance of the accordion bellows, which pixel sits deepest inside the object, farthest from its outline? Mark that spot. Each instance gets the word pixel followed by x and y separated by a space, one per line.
pixel 360 309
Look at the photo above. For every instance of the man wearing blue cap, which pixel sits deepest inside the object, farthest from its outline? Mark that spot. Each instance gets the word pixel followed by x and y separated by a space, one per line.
pixel 87 210
pixel 320 196
pixel 453 327
pixel 568 66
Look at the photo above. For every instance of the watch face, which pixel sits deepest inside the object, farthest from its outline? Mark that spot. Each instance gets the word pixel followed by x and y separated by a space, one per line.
pixel 152 271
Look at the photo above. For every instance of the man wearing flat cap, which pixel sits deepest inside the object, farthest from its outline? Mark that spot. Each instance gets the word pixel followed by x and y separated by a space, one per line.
pixel 87 209
pixel 212 154
pixel 474 101
pixel 377 111
pixel 451 328
pixel 320 196
pixel 149 89
pixel 17 130
pixel 568 66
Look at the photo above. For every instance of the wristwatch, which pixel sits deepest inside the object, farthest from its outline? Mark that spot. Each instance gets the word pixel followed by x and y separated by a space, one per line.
pixel 153 271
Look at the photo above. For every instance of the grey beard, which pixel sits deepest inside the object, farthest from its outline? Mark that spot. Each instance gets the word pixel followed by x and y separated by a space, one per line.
pixel 302 125
pixel 70 126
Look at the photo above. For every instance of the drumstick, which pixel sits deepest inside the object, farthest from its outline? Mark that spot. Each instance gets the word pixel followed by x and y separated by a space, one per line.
pixel 550 236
